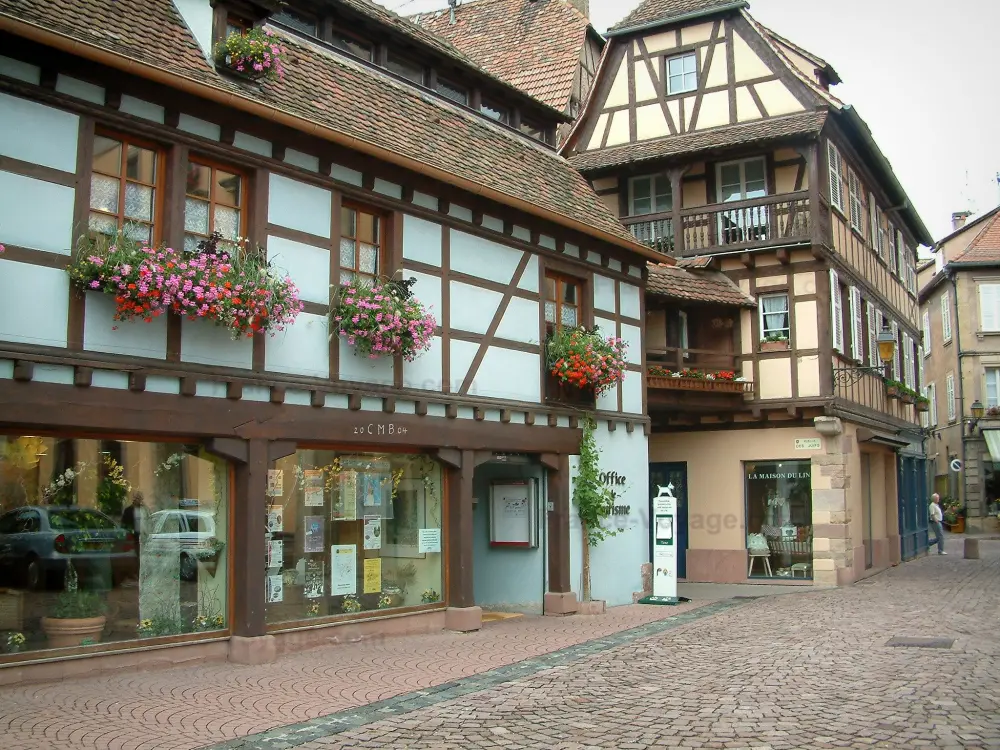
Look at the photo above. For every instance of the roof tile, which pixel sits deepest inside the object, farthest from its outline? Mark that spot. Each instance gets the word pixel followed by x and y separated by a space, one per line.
pixel 695 286
pixel 342 94
pixel 805 123
pixel 986 247
pixel 666 11
pixel 532 45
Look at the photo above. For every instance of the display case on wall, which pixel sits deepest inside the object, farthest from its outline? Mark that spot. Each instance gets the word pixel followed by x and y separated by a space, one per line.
pixel 514 513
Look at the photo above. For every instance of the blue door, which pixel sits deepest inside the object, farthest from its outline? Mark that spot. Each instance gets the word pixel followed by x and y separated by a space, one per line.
pixel 662 474
pixel 913 506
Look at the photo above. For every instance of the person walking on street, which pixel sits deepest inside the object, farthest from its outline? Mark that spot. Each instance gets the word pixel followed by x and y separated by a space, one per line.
pixel 935 517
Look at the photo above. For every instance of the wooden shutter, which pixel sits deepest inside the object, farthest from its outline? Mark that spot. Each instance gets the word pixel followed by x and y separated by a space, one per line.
pixel 945 316
pixel 897 371
pixel 932 395
pixel 989 320
pixel 920 364
pixel 873 329
pixel 836 185
pixel 857 326
pixel 900 253
pixel 909 375
pixel 873 221
pixel 836 312
pixel 949 395
pixel 927 329
pixel 893 252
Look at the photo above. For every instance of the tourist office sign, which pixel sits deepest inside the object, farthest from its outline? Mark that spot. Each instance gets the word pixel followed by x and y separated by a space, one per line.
pixel 664 531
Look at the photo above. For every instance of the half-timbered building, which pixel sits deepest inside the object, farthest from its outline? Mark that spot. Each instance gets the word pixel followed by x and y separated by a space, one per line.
pixel 719 143
pixel 241 497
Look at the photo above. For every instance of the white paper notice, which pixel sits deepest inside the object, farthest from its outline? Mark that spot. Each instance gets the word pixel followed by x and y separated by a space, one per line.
pixel 275 482
pixel 275 589
pixel 275 553
pixel 373 532
pixel 275 521
pixel 343 569
pixel 429 540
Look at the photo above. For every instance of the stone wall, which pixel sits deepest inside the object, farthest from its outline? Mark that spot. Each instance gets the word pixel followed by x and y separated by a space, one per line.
pixel 833 546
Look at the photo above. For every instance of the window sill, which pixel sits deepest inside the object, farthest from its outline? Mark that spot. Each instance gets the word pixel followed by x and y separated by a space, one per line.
pixel 983 334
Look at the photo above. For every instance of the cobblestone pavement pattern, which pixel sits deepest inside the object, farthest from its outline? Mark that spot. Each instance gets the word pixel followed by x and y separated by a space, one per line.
pixel 803 671
pixel 808 670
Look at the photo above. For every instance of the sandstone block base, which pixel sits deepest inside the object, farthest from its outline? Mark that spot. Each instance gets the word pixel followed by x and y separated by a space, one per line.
pixel 560 604
pixel 261 649
pixel 463 619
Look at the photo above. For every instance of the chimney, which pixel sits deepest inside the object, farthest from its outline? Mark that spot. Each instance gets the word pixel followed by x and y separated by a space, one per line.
pixel 958 219
pixel 581 5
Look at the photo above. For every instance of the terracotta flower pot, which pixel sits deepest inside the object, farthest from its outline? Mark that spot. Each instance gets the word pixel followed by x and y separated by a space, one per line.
pixel 923 406
pixel 73 632
pixel 774 346
pixel 892 391
pixel 907 398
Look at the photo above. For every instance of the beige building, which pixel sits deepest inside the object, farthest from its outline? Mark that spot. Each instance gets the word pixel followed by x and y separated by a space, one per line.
pixel 960 318
pixel 719 143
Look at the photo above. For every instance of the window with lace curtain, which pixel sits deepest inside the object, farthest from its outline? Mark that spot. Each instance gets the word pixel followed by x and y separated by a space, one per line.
pixel 360 243
pixel 774 318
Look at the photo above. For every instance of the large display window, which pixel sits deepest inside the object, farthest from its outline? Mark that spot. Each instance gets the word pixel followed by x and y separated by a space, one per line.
pixel 779 519
pixel 109 540
pixel 352 532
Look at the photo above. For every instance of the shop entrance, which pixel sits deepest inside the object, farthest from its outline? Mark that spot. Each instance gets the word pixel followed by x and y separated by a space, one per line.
pixel 509 550
pixel 661 475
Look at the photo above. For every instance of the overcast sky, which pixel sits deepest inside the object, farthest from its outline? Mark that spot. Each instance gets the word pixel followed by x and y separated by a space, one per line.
pixel 924 75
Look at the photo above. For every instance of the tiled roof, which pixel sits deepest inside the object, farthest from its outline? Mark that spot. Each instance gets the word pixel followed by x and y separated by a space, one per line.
pixel 667 10
pixel 986 247
pixel 532 44
pixel 698 261
pixel 805 123
pixel 695 286
pixel 818 61
pixel 343 95
pixel 440 43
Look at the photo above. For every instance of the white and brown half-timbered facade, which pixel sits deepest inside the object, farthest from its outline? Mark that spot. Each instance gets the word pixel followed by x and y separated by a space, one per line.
pixel 718 143
pixel 236 497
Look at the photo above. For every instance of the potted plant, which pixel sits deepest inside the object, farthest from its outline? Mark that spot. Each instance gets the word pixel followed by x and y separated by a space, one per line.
pixel 253 54
pixel 429 596
pixel 382 318
pixel 394 583
pixel 774 342
pixel 893 388
pixel 351 604
pixel 15 642
pixel 582 363
pixel 954 515
pixel 76 616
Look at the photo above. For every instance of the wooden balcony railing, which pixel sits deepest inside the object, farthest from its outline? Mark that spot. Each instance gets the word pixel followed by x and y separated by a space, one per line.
pixel 738 225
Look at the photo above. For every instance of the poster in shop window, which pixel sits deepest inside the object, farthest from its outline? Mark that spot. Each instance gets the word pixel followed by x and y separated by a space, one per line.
pixel 373 532
pixel 275 589
pixel 313 486
pixel 314 534
pixel 373 575
pixel 345 507
pixel 343 569
pixel 314 579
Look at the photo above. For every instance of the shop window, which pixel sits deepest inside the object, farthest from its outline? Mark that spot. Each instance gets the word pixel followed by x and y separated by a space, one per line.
pixel 215 199
pixel 562 302
pixel 350 533
pixel 779 519
pixel 131 535
pixel 360 244
pixel 125 187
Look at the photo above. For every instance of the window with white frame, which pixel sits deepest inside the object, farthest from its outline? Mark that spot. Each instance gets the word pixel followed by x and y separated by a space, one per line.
pixel 836 312
pixel 989 307
pixel 927 332
pixel 945 317
pixel 900 253
pixel 857 204
pixel 775 321
pixel 857 326
pixel 874 327
pixel 930 393
pixel 949 396
pixel 992 389
pixel 682 73
pixel 909 370
pixel 649 194
pixel 834 165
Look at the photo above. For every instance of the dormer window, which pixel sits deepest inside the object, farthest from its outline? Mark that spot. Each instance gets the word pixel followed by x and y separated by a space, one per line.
pixel 452 91
pixel 294 20
pixel 236 25
pixel 405 68
pixel 682 74
pixel 495 112
pixel 351 45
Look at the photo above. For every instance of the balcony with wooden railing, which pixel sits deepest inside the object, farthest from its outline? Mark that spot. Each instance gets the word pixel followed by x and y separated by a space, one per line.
pixel 738 225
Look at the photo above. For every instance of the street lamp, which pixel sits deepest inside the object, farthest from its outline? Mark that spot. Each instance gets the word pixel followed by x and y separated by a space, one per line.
pixel 977 414
pixel 886 351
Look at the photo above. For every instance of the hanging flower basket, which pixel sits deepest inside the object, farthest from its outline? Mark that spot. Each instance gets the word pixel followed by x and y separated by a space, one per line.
pixel 254 54
pixel 382 318
pixel 234 287
pixel 584 359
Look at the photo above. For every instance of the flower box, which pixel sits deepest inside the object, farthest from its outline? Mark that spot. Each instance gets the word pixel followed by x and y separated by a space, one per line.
pixel 669 382
pixel 561 392
pixel 892 391
pixel 382 318
pixel 774 346
pixel 923 406
pixel 253 55
pixel 583 359
pixel 907 398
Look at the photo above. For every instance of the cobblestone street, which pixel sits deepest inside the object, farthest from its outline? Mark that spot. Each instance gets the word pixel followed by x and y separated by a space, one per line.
pixel 809 670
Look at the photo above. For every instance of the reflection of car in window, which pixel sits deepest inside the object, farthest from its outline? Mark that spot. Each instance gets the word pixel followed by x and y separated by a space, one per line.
pixel 187 533
pixel 37 542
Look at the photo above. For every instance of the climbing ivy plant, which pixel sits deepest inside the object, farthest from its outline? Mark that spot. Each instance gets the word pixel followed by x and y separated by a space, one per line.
pixel 594 500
